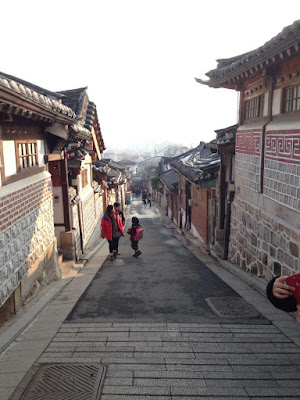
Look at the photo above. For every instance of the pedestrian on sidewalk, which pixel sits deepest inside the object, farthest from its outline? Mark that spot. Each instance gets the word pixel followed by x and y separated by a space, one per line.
pixel 149 199
pixel 281 295
pixel 111 230
pixel 117 209
pixel 136 234
pixel 144 197
pixel 119 215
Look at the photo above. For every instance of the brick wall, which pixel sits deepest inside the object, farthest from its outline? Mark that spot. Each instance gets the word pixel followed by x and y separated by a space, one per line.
pixel 26 233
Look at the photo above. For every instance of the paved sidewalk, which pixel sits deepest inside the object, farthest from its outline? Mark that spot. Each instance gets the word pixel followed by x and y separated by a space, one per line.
pixel 164 361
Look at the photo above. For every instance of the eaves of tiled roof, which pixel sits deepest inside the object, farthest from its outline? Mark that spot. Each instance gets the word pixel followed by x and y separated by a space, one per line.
pixel 26 101
pixel 170 179
pixel 75 99
pixel 225 137
pixel 200 164
pixel 229 71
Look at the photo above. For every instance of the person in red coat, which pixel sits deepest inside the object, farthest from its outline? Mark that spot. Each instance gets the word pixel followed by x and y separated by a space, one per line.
pixel 112 230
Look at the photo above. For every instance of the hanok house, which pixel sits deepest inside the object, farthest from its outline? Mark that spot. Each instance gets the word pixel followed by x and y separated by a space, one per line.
pixel 32 120
pixel 265 219
pixel 117 182
pixel 197 170
pixel 224 145
pixel 167 195
pixel 86 194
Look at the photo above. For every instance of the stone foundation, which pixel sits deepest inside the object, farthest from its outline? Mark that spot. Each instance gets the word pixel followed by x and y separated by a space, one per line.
pixel 262 244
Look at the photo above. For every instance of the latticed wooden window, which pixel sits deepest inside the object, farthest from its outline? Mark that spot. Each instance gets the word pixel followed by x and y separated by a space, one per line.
pixel 84 177
pixel 27 154
pixel 291 99
pixel 254 107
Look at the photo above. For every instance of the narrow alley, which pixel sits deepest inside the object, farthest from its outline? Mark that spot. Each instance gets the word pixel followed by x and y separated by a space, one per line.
pixel 171 324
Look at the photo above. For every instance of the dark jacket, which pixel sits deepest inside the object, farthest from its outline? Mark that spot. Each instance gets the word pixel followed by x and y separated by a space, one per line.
pixel 289 304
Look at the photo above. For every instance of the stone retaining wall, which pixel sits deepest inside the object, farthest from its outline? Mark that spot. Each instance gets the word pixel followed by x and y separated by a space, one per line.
pixel 262 244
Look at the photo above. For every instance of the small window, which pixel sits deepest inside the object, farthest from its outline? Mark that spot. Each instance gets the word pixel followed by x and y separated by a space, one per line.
pixel 84 178
pixel 27 155
pixel 291 99
pixel 254 107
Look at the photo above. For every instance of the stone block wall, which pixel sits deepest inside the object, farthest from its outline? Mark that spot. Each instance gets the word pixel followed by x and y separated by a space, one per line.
pixel 247 169
pixel 282 183
pixel 27 239
pixel 282 167
pixel 247 158
pixel 262 244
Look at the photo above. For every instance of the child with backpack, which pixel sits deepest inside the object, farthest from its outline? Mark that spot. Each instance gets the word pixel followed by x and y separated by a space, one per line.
pixel 136 234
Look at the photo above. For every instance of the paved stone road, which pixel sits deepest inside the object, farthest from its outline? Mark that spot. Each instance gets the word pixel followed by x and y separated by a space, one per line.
pixel 176 353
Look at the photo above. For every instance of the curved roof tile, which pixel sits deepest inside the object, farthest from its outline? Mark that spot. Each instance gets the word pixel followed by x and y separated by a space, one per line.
pixel 231 67
pixel 40 98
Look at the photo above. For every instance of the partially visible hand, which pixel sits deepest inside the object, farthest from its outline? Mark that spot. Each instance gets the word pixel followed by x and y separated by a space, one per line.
pixel 281 290
pixel 298 314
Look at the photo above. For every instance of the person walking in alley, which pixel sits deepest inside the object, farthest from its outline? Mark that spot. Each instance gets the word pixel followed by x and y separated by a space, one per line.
pixel 136 234
pixel 117 209
pixel 119 215
pixel 149 199
pixel 111 230
pixel 144 197
pixel 281 295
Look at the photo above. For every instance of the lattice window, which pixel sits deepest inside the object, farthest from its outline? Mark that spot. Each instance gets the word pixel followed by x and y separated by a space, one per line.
pixel 27 154
pixel 84 177
pixel 291 99
pixel 254 107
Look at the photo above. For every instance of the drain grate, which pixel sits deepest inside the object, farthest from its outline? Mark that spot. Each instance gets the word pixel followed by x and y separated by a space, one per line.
pixel 235 307
pixel 66 382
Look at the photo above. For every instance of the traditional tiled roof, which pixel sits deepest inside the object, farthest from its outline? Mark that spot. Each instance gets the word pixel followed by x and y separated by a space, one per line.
pixel 285 45
pixel 225 137
pixel 198 165
pixel 44 98
pixel 86 111
pixel 170 179
pixel 101 166
pixel 76 99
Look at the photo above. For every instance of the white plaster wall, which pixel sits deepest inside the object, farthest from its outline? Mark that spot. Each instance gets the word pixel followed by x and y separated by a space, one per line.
pixel 58 205
pixel 9 155
pixel 58 230
pixel 41 152
pixel 266 103
pixel 276 102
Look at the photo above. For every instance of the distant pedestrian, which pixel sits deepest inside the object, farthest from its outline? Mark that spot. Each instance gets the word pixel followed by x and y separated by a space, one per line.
pixel 144 197
pixel 149 199
pixel 136 234
pixel 111 230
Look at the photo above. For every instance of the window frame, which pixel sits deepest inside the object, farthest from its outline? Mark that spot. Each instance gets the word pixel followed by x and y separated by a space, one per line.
pixel 291 99
pixel 27 155
pixel 257 110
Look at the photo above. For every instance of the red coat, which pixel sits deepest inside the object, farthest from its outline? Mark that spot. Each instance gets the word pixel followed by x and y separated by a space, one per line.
pixel 106 226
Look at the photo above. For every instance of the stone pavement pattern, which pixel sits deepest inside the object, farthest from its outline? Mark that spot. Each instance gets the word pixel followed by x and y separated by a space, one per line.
pixel 216 360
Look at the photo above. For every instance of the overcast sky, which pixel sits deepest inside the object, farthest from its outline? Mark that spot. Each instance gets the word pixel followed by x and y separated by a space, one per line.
pixel 139 59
